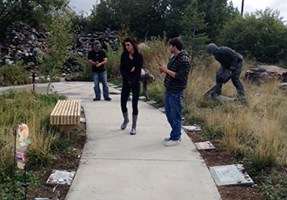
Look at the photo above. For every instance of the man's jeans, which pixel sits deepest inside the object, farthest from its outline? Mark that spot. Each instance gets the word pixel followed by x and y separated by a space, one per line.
pixel 173 103
pixel 100 77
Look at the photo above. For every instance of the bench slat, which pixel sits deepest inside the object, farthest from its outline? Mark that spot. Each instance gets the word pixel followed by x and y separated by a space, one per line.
pixel 66 112
pixel 58 112
pixel 69 108
pixel 61 112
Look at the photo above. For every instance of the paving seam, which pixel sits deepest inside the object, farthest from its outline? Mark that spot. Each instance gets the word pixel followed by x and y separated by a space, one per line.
pixel 133 159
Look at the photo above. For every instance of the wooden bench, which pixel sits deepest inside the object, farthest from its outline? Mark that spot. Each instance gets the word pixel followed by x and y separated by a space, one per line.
pixel 66 114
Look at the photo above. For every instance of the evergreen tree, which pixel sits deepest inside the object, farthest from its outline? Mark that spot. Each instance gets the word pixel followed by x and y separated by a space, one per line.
pixel 193 24
pixel 217 13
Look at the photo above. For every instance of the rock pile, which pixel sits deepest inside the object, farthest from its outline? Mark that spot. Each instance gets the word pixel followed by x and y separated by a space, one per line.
pixel 108 38
pixel 25 43
pixel 22 43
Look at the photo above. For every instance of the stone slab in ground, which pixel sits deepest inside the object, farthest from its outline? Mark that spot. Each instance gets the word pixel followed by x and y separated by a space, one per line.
pixel 192 128
pixel 60 177
pixel 207 145
pixel 230 175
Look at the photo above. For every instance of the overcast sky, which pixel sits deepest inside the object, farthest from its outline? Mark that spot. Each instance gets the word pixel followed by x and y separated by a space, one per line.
pixel 249 5
pixel 253 5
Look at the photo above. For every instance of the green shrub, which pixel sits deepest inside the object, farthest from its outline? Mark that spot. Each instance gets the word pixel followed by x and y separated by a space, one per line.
pixel 14 75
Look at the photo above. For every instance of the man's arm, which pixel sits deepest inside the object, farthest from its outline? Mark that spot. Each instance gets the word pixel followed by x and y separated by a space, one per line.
pixel 105 61
pixel 167 71
pixel 98 64
pixel 91 62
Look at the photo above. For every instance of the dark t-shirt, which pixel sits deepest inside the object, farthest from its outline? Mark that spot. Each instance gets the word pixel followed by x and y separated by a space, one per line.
pixel 97 57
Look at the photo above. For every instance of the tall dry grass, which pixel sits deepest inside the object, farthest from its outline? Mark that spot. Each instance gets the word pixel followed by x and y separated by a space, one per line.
pixel 154 57
pixel 32 109
pixel 256 130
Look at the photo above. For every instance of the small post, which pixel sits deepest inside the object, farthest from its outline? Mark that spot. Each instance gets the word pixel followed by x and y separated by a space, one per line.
pixel 25 184
pixel 33 81
pixel 15 163
pixel 22 143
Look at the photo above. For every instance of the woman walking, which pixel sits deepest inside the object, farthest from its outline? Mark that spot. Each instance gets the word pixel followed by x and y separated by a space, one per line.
pixel 130 66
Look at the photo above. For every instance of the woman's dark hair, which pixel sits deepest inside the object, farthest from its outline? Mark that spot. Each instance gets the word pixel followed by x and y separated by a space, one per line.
pixel 176 42
pixel 133 42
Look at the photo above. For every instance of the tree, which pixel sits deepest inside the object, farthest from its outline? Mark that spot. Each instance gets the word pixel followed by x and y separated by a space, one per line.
pixel 99 12
pixel 218 12
pixel 32 12
pixel 148 18
pixel 142 18
pixel 175 12
pixel 60 41
pixel 262 35
pixel 193 24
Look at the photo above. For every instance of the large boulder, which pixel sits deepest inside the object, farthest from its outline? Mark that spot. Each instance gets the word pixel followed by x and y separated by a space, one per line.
pixel 264 73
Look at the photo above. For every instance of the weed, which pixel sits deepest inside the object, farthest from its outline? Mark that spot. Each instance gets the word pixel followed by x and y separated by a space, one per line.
pixel 274 186
pixel 12 189
pixel 62 144
pixel 212 132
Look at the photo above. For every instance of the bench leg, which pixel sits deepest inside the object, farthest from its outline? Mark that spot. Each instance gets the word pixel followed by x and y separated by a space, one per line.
pixel 67 129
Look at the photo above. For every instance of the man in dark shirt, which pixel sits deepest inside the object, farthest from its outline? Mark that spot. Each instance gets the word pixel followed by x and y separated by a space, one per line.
pixel 97 58
pixel 231 64
pixel 177 71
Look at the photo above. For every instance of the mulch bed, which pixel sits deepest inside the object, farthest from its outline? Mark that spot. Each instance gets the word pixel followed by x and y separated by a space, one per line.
pixel 64 161
pixel 219 156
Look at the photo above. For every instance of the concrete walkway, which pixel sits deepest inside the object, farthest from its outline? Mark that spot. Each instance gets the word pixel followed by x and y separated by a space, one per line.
pixel 117 166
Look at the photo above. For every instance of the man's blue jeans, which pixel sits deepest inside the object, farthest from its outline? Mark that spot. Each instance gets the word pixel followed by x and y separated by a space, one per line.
pixel 101 77
pixel 173 103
